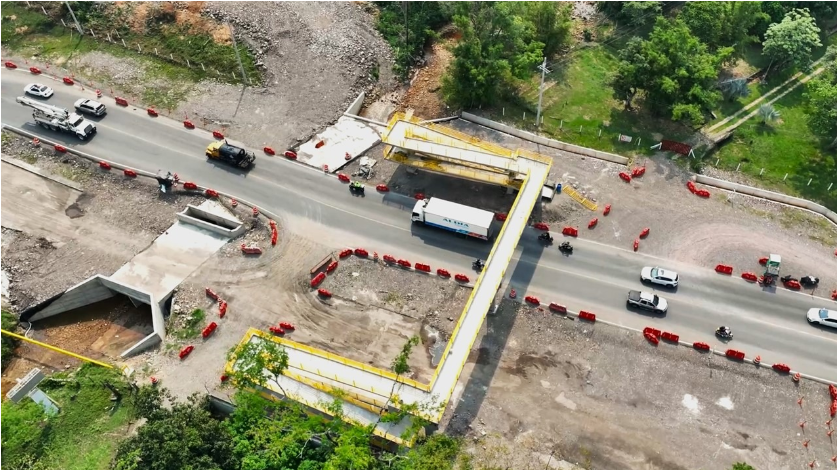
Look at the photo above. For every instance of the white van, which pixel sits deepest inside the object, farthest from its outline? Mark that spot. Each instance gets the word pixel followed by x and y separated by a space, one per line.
pixel 822 316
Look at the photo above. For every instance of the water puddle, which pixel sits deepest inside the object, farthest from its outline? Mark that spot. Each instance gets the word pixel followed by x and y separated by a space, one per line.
pixel 433 342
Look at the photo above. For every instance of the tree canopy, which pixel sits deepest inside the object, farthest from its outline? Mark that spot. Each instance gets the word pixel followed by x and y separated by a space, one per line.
pixel 791 41
pixel 822 95
pixel 720 24
pixel 673 68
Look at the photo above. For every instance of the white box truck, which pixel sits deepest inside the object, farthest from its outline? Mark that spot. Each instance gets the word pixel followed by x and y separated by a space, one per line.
pixel 454 217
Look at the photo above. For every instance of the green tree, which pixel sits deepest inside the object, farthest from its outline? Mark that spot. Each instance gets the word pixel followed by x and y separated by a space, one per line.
pixel 407 26
pixel 551 23
pixel 790 42
pixel 438 451
pixel 185 436
pixel 353 450
pixel 640 13
pixel 492 51
pixel 25 429
pixel 720 24
pixel 674 69
pixel 821 96
pixel 258 362
pixel 9 322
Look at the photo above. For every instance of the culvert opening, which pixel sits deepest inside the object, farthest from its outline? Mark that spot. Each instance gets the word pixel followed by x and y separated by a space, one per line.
pixel 210 218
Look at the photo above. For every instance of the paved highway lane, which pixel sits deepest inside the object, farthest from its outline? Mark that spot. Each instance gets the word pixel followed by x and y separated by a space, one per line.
pixel 595 277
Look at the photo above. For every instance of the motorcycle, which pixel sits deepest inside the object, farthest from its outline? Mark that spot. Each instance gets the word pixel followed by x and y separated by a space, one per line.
pixel 356 187
pixel 787 278
pixel 724 333
pixel 810 280
pixel 545 237
pixel 566 248
pixel 478 265
pixel 166 180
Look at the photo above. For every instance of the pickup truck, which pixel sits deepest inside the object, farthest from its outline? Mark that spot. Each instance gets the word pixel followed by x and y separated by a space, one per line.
pixel 648 301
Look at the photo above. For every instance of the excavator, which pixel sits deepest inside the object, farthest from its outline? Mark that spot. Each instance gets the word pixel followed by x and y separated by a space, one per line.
pixel 58 119
pixel 233 155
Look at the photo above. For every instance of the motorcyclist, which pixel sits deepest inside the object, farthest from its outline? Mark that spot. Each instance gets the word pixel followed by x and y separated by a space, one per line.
pixel 478 263
pixel 724 331
pixel 545 236
pixel 566 245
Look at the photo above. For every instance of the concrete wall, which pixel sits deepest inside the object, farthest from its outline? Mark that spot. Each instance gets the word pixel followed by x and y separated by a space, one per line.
pixel 149 341
pixel 356 105
pixel 769 195
pixel 122 288
pixel 87 292
pixel 618 159
pixel 225 227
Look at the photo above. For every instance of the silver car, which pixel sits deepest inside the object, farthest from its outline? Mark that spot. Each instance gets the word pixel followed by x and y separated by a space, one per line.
pixel 659 276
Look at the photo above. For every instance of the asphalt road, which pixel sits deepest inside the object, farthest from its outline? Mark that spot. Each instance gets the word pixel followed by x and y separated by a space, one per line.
pixel 595 278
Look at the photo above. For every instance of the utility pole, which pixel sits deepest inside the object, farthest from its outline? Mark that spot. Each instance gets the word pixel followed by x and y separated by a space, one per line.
pixel 238 56
pixel 78 26
pixel 544 70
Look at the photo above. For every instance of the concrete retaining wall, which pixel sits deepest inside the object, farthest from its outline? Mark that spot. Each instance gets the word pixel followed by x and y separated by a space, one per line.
pixel 769 195
pixel 89 291
pixel 220 225
pixel 618 159
pixel 149 341
pixel 356 105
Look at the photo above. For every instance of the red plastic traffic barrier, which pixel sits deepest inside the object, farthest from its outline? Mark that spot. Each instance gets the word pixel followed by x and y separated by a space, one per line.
pixel 558 308
pixel 332 267
pixel 269 150
pixel 701 346
pixel 389 258
pixel 461 278
pixel 792 284
pixel 834 295
pixel 361 253
pixel 652 331
pixel 274 236
pixel 104 165
pixel 185 351
pixel 129 173
pixel 276 330
pixel 121 101
pixel 318 279
pixel 781 367
pixel 670 336
pixel 724 269
pixel 287 326
pixel 343 177
pixel 606 210
pixel 588 316
pixel 749 276
pixel 290 154
pixel 532 300
pixel 500 216
pixel 251 250
pixel 638 171
pixel 691 186
pixel 833 392
pixel 189 186
pixel 188 124
pixel 151 112
pixel 345 253
pixel 382 187
pixel 541 226
pixel 212 294
pixel 570 231
pixel 35 70
pixel 222 308
pixel 217 135
pixel 10 65
pixel 763 260
pixel 224 378
pixel 735 354
pixel 319 144
pixel 443 273
pixel 592 223
pixel 636 244
pixel 60 148
pixel 208 330
pixel 419 196
pixel 652 338
pixel 702 193
pixel 211 193
pixel 423 267
pixel 832 409
pixel 626 177
pixel 68 81
pixel 404 263
pixel 324 293
pixel 644 233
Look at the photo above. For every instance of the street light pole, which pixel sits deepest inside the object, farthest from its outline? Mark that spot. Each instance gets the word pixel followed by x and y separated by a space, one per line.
pixel 544 70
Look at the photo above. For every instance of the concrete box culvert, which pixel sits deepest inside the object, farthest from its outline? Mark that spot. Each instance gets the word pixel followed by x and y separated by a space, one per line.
pixel 212 222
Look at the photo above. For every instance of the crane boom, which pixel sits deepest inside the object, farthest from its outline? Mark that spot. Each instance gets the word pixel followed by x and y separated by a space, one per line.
pixel 53 112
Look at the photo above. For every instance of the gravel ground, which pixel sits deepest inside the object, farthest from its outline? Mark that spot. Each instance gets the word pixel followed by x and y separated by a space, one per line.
pixel 543 387
pixel 736 231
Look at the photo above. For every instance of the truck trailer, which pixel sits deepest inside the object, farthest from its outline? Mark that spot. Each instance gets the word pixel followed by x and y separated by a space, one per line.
pixel 454 217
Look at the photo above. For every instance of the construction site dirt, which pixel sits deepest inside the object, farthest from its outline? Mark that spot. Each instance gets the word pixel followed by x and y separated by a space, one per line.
pixel 545 391
pixel 735 230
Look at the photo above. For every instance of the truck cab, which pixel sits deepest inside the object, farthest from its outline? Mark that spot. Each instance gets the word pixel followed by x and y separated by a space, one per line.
pixel 419 211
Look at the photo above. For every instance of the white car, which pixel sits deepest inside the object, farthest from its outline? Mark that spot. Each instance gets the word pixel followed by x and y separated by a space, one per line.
pixel 38 89
pixel 659 276
pixel 822 316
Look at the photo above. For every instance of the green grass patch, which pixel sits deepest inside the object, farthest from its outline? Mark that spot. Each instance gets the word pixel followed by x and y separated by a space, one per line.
pixel 192 325
pixel 780 148
pixel 28 32
pixel 577 94
pixel 84 434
